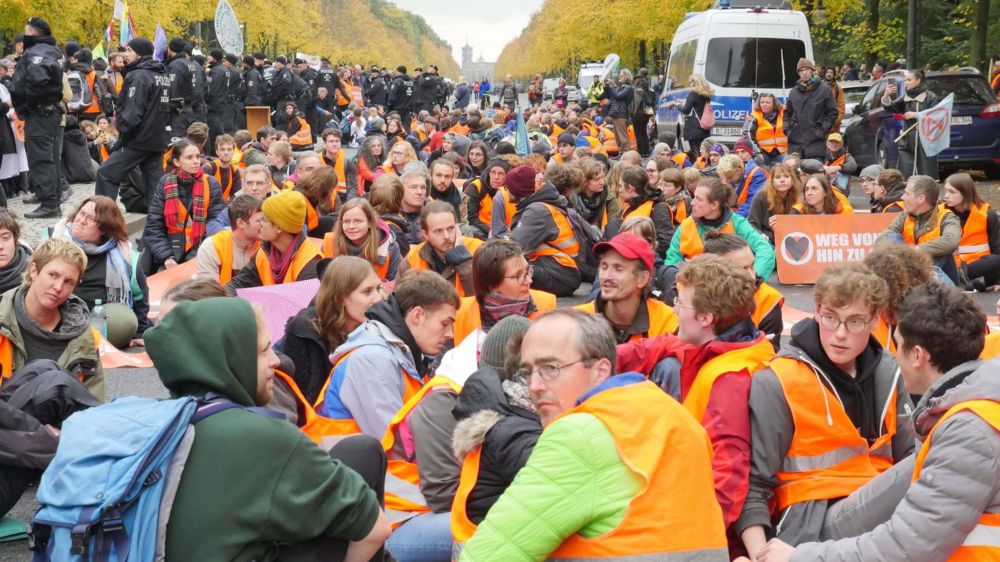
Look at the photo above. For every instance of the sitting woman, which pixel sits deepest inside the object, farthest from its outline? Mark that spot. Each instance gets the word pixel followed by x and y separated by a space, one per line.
pixel 112 277
pixel 319 187
pixel 369 159
pixel 394 132
pixel 781 192
pixel 886 192
pixel 280 164
pixel 820 198
pixel 386 198
pixel 43 319
pixel 299 133
pixel 400 155
pixel 979 250
pixel 642 199
pixel 349 287
pixel 185 200
pixel 98 141
pixel 13 255
pixel 595 201
pixel 359 232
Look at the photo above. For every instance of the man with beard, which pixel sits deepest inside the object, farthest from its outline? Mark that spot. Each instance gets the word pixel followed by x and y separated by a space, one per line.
pixel 444 249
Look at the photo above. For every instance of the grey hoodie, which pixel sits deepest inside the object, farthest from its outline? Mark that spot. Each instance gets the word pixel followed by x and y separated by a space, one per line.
pixel 960 480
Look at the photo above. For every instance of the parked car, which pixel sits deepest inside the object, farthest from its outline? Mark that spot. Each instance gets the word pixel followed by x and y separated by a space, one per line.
pixel 854 92
pixel 549 85
pixel 871 132
pixel 573 94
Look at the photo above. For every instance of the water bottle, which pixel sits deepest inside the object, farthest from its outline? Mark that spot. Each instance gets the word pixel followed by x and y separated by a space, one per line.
pixel 98 320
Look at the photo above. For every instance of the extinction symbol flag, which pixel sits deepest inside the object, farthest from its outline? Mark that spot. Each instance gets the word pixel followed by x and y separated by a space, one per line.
pixel 934 127
pixel 227 29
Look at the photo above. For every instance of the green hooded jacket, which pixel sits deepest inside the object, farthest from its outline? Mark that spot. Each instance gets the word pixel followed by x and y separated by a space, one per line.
pixel 250 481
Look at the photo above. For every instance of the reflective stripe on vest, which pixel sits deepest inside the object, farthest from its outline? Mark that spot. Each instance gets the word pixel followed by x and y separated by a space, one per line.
pixel 670 453
pixel 745 361
pixel 329 250
pixel 403 498
pixel 691 244
pixel 983 542
pixel 975 241
pixel 828 458
pixel 182 216
pixel 303 256
pixel 771 136
pixel 766 299
pixel 565 247
pixel 910 224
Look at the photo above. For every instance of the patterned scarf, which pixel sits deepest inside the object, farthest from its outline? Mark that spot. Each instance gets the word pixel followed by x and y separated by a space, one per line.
pixel 495 307
pixel 172 204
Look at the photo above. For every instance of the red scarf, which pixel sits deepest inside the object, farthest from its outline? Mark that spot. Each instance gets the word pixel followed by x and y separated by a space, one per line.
pixel 280 263
pixel 172 205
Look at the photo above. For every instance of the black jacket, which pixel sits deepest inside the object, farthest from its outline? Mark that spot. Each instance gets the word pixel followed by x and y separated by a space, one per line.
pixel 309 351
pixel 809 114
pixel 694 105
pixel 155 237
pixel 282 87
pixel 375 94
pixel 141 118
pixel 621 101
pixel 251 87
pixel 218 87
pixel 400 93
pixel 182 81
pixel 426 89
pixel 39 77
pixel 893 195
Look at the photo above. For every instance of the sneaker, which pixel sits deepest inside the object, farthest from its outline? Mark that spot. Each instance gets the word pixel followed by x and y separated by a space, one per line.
pixel 31 199
pixel 64 196
pixel 44 212
pixel 979 285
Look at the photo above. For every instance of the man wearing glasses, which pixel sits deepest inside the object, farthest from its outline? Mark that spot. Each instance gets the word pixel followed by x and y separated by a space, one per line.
pixel 828 415
pixel 620 471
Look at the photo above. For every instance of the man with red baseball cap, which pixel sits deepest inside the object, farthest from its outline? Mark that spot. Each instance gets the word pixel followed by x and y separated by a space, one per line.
pixel 625 276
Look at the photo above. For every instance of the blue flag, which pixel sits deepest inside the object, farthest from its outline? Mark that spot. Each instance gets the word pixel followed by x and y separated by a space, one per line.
pixel 159 44
pixel 521 144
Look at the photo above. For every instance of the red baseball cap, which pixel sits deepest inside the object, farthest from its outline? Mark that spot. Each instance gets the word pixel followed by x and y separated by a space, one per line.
pixel 630 246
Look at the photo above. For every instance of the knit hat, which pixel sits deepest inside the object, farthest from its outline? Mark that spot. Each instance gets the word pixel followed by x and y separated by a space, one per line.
pixel 498 162
pixel 281 59
pixel 805 63
pixel 217 54
pixel 176 45
pixel 742 144
pixel 521 181
pixel 40 24
pixel 718 149
pixel 494 350
pixel 872 171
pixel 286 210
pixel 141 46
pixel 541 147
pixel 233 59
pixel 84 56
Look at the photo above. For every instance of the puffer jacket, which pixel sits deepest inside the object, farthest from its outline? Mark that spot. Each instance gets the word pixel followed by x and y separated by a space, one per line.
pixel 960 480
pixel 506 433
pixel 621 101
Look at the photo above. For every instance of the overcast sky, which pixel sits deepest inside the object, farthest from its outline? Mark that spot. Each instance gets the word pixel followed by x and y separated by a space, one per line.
pixel 487 26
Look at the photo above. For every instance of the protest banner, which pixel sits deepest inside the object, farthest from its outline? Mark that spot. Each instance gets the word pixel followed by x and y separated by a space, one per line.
pixel 805 245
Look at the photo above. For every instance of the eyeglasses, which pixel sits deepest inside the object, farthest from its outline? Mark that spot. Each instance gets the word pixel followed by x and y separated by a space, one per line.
pixel 548 371
pixel 85 218
pixel 833 323
pixel 677 302
pixel 524 276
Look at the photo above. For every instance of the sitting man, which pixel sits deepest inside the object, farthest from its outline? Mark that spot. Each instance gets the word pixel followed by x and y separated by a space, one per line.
pixel 256 183
pixel 312 504
pixel 617 463
pixel 382 364
pixel 626 275
pixel 334 155
pixel 932 228
pixel 227 252
pixel 827 416
pixel 444 250
pixel 285 253
pixel 950 510
pixel 43 319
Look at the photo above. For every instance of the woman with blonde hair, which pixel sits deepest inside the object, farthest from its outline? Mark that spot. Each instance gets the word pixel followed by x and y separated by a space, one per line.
pixel 348 288
pixel 359 232
pixel 781 192
pixel 399 156
pixel 767 128
pixel 697 99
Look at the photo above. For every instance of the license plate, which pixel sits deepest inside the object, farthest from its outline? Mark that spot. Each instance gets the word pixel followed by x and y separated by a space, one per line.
pixel 961 120
pixel 727 131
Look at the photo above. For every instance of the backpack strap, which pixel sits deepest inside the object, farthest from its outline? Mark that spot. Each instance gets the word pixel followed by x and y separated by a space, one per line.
pixel 215 403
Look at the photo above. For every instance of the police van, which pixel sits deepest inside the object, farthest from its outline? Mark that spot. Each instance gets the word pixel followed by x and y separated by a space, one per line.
pixel 742 47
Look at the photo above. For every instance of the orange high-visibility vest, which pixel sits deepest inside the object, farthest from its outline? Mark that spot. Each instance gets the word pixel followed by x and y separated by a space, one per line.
pixel 303 257
pixel 827 458
pixel 462 528
pixel 223 243
pixel 565 247
pixel 556 131
pixel 843 204
pixel 745 188
pixel 467 319
pixel 315 426
pixel 771 136
pixel 679 212
pixel 643 210
pixel 767 298
pixel 416 262
pixel 341 100
pixel 94 109
pixel 182 216
pixel 509 207
pixel 7 354
pixel 680 159
pixel 237 159
pixel 338 165
pixel 302 137
pixel 991 348
pixel 227 186
pixel 662 318
pixel 983 541
pixel 485 202
pixel 910 224
pixel 610 142
pixel 838 161
pixel 975 240
pixel 102 150
pixel 330 251
pixel 356 95
pixel 691 243
pixel 659 444
pixel 312 215
pixel 745 361
pixel 403 498
pixel 883 334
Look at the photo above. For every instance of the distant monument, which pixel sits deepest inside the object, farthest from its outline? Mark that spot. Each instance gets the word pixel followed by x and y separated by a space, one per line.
pixel 475 71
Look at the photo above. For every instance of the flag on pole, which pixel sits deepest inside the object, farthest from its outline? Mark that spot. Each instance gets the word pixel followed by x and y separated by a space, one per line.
pixel 934 127
pixel 521 144
pixel 119 10
pixel 109 32
pixel 128 26
pixel 98 52
pixel 159 43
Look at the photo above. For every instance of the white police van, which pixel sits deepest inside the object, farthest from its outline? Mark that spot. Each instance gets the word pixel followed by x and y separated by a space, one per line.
pixel 743 47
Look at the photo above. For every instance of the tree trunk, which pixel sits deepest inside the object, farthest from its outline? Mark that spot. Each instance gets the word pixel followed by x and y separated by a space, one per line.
pixel 872 21
pixel 642 53
pixel 977 48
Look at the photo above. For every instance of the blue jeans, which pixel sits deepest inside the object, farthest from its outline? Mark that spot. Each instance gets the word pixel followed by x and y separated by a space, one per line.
pixel 943 266
pixel 772 160
pixel 424 538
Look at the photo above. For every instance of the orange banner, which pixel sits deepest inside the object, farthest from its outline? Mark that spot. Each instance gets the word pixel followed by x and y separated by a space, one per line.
pixel 805 245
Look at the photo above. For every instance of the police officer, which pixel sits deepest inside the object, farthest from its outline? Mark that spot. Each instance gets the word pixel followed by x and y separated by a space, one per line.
pixel 218 96
pixel 234 102
pixel 282 90
pixel 251 92
pixel 266 71
pixel 182 87
pixel 37 96
pixel 328 78
pixel 375 92
pixel 197 65
pixel 401 95
pixel 142 122
pixel 425 91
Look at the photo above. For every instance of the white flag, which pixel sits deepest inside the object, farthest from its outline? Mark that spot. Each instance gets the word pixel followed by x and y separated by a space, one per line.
pixel 934 127
pixel 119 10
pixel 227 29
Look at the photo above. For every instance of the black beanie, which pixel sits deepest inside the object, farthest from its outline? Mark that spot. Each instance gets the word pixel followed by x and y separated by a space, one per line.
pixel 176 45
pixel 141 46
pixel 217 54
pixel 248 60
pixel 233 59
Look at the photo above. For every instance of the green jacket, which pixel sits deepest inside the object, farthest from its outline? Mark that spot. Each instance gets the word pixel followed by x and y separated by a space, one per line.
pixel 83 347
pixel 763 263
pixel 250 481
pixel 574 482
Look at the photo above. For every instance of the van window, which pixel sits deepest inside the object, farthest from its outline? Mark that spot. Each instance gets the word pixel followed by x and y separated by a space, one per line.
pixel 681 64
pixel 751 62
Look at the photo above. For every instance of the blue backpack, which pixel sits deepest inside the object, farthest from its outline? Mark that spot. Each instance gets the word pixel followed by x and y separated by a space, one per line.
pixel 107 493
